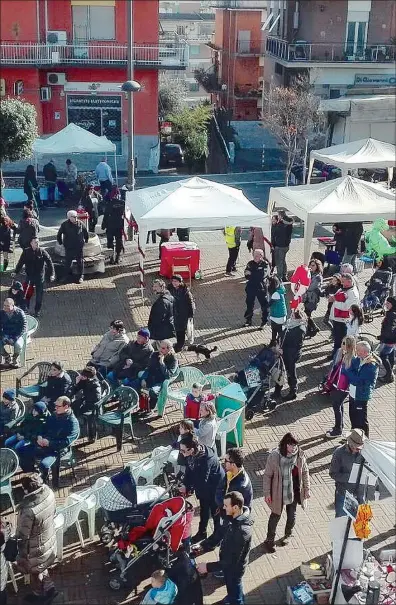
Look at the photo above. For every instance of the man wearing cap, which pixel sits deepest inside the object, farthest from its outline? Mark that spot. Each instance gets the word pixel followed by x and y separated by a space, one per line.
pixel 8 409
pixel 58 384
pixel 342 300
pixel 134 358
pixel 344 457
pixel 73 235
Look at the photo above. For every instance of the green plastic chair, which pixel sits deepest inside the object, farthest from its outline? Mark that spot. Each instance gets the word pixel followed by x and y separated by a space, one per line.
pixel 31 391
pixel 32 327
pixel 189 376
pixel 216 382
pixel 164 394
pixel 129 404
pixel 11 426
pixel 65 460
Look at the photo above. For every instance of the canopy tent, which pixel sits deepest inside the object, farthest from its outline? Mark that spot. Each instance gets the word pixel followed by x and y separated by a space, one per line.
pixel 381 456
pixel 346 199
pixel 74 139
pixel 191 203
pixel 366 153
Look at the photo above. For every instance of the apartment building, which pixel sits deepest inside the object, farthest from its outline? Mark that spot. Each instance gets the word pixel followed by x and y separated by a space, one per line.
pixel 69 58
pixel 193 22
pixel 238 56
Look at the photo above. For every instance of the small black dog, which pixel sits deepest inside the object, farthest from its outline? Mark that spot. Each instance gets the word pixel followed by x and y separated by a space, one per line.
pixel 201 350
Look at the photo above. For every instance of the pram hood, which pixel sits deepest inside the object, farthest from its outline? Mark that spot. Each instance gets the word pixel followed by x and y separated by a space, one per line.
pixel 125 484
pixel 174 509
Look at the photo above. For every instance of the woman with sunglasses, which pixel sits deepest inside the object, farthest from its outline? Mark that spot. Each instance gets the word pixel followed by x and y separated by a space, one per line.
pixel 338 384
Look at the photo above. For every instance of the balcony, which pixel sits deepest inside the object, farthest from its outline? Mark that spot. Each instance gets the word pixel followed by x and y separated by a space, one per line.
pixel 304 52
pixel 165 55
pixel 247 92
pixel 208 79
pixel 250 48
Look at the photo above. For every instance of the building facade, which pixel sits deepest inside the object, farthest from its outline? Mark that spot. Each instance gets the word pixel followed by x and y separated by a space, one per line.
pixel 194 22
pixel 343 46
pixel 69 59
pixel 238 55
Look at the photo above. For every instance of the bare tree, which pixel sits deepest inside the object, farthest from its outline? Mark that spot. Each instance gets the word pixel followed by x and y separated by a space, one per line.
pixel 293 117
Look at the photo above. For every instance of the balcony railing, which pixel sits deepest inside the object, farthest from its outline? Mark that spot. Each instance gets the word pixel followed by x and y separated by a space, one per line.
pixel 165 55
pixel 323 53
pixel 247 92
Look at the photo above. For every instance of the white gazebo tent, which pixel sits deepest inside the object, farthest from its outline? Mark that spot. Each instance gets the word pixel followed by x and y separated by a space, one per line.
pixel 346 199
pixel 365 153
pixel 191 203
pixel 74 139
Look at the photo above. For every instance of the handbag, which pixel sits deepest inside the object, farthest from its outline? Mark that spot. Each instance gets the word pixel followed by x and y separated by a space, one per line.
pixel 190 331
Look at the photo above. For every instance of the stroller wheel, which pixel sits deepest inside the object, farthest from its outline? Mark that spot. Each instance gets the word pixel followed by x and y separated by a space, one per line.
pixel 106 537
pixel 115 584
pixel 249 414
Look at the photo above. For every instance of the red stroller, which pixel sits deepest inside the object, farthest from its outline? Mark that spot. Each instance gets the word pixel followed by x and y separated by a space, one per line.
pixel 141 550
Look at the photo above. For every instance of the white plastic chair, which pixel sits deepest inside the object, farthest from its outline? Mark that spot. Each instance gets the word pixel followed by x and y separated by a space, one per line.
pixel 9 463
pixel 11 573
pixel 228 424
pixel 66 517
pixel 151 467
pixel 89 499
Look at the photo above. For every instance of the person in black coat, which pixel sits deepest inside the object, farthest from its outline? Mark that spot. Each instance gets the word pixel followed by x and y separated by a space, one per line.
pixel 30 185
pixel 113 223
pixel 387 338
pixel 256 273
pixel 73 235
pixel 85 395
pixel 133 358
pixel 291 344
pixel 234 549
pixel 163 365
pixel 161 321
pixel 18 295
pixel 281 234
pixel 6 228
pixel 353 235
pixel 203 474
pixel 36 261
pixel 51 176
pixel 58 384
pixel 28 228
pixel 183 309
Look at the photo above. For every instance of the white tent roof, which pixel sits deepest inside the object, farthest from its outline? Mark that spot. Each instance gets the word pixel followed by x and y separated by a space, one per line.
pixel 193 203
pixel 365 153
pixel 73 139
pixel 381 456
pixel 345 199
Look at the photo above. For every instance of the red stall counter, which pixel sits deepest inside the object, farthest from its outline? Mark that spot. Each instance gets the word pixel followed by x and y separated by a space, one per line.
pixel 179 250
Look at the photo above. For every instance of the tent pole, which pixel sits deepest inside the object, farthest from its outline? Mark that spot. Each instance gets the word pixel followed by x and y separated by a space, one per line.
pixel 115 166
pixel 311 163
pixel 390 175
pixel 142 256
pixel 345 542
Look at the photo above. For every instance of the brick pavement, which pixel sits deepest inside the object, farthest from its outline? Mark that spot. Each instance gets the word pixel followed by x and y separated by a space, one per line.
pixel 75 317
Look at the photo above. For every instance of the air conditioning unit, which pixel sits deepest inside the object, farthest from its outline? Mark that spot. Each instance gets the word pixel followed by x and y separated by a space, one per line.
pixel 55 79
pixel 45 93
pixel 2 87
pixel 57 37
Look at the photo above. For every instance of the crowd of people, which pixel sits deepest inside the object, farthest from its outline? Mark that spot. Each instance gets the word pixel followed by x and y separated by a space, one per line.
pixel 222 487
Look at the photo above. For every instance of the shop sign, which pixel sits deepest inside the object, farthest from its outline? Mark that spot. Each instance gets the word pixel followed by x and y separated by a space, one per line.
pixel 375 80
pixel 93 101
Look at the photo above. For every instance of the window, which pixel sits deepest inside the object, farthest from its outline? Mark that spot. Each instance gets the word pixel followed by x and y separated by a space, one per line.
pixel 244 41
pixel 279 69
pixel 181 30
pixel 193 86
pixel 195 50
pixel 93 22
pixel 356 37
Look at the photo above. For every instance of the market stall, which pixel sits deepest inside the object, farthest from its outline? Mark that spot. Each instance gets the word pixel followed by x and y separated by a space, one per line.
pixel 346 199
pixel 193 203
pixel 365 153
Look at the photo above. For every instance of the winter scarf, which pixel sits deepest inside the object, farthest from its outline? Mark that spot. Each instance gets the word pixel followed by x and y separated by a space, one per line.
pixel 287 464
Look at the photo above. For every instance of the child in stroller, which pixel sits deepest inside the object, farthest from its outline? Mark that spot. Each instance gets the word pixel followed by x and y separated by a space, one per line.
pixel 378 289
pixel 263 371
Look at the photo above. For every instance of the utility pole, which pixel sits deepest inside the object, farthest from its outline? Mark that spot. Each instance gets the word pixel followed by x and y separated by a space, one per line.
pixel 131 146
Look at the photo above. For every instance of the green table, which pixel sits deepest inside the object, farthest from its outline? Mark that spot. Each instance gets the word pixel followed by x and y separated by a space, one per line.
pixel 232 398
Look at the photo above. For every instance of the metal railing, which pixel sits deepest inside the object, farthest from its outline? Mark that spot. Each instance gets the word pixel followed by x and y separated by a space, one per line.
pixel 163 55
pixel 319 52
pixel 247 92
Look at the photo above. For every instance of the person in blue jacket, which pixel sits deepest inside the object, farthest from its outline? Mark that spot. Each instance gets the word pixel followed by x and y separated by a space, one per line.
pixel 13 324
pixel 362 375
pixel 203 474
pixel 60 430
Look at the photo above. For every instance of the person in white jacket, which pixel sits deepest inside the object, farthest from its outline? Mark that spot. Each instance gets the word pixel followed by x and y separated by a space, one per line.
pixel 342 300
pixel 106 354
pixel 207 428
pixel 355 321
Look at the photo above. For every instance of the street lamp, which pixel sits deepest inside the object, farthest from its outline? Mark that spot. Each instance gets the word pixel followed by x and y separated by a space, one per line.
pixel 130 87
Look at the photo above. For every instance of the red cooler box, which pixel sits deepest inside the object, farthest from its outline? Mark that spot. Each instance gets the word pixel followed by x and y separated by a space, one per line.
pixel 179 250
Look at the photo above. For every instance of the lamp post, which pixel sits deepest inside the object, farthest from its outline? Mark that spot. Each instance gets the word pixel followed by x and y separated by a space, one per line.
pixel 130 87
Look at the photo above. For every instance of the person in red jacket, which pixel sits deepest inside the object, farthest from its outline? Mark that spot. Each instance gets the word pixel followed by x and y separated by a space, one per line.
pixel 194 400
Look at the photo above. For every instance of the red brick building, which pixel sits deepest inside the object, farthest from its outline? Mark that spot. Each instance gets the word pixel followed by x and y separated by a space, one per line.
pixel 69 58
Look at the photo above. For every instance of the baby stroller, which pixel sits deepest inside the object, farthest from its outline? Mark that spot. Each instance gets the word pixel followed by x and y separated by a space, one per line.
pixel 378 290
pixel 125 503
pixel 265 370
pixel 142 549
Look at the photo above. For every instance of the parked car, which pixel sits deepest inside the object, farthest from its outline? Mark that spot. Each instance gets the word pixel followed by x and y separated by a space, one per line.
pixel 172 153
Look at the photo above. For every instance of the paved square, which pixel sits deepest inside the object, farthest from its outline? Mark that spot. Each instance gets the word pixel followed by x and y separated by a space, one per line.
pixel 75 317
